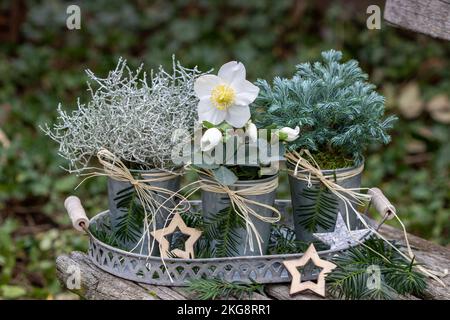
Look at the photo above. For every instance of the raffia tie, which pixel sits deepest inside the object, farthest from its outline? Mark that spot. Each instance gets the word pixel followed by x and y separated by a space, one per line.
pixel 309 170
pixel 152 198
pixel 242 205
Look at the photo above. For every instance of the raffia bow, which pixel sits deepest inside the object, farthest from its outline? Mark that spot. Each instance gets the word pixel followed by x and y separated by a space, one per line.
pixel 307 169
pixel 152 198
pixel 242 205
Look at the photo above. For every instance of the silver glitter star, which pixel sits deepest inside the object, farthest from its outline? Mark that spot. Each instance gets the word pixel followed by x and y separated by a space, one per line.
pixel 341 237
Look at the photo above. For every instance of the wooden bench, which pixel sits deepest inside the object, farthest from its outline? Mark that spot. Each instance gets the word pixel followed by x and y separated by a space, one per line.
pixel 431 17
pixel 97 284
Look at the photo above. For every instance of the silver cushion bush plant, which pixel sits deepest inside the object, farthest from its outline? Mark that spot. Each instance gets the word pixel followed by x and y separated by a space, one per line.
pixel 338 111
pixel 131 116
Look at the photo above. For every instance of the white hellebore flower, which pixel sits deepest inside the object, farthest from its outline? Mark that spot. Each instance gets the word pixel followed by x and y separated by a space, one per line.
pixel 252 131
pixel 211 138
pixel 226 96
pixel 292 134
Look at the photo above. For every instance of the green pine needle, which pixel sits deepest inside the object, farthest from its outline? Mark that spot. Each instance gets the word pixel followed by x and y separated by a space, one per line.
pixel 351 278
pixel 102 232
pixel 224 228
pixel 321 212
pixel 220 233
pixel 283 241
pixel 131 222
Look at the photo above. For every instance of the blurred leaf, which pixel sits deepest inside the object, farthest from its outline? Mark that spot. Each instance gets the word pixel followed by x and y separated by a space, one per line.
pixel 12 292
pixel 409 101
pixel 439 108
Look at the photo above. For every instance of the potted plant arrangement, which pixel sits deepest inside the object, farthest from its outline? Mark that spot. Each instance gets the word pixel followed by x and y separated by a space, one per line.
pixel 339 114
pixel 128 125
pixel 321 120
pixel 238 167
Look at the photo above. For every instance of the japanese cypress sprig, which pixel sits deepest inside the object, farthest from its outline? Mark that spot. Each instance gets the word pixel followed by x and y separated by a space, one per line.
pixel 337 110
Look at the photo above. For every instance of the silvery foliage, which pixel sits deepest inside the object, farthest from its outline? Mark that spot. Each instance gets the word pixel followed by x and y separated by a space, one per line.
pixel 130 116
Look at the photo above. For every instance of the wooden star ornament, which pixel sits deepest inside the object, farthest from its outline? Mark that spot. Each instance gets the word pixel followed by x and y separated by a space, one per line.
pixel 297 285
pixel 164 245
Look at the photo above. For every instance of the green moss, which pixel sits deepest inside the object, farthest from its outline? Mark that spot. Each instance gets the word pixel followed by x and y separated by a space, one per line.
pixel 330 161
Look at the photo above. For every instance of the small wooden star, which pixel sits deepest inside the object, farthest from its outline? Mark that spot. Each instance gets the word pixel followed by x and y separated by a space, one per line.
pixel 164 245
pixel 297 285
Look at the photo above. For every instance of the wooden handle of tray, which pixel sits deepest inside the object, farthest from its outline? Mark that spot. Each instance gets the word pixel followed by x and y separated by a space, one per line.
pixel 382 204
pixel 76 213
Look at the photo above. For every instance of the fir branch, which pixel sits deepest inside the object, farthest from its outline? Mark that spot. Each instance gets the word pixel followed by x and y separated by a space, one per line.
pixel 350 279
pixel 405 279
pixel 193 219
pixel 211 289
pixel 220 232
pixel 102 232
pixel 223 228
pixel 130 224
pixel 283 241
pixel 321 212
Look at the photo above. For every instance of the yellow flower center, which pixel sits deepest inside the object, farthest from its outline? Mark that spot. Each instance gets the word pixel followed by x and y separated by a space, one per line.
pixel 222 96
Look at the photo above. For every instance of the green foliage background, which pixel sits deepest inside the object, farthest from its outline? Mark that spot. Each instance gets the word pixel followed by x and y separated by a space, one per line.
pixel 270 37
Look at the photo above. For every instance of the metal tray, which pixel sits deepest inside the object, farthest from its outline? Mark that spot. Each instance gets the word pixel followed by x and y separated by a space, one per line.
pixel 154 270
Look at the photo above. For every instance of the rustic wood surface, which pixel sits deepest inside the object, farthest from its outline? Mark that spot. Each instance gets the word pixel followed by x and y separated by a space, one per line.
pixel 97 284
pixel 431 17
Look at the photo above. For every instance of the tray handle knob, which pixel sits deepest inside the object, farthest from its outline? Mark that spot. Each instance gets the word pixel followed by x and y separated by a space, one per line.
pixel 382 204
pixel 76 213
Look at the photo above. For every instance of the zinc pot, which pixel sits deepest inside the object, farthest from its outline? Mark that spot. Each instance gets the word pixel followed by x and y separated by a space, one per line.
pixel 213 203
pixel 311 202
pixel 117 189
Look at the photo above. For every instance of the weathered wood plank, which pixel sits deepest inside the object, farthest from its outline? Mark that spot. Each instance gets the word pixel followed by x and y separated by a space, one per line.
pixel 192 296
pixel 417 242
pixel 431 17
pixel 164 293
pixel 281 292
pixel 434 257
pixel 97 284
pixel 257 296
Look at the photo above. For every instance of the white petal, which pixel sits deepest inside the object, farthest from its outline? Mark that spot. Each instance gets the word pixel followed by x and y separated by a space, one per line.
pixel 211 138
pixel 292 134
pixel 232 72
pixel 204 106
pixel 237 116
pixel 252 131
pixel 246 93
pixel 207 111
pixel 204 85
